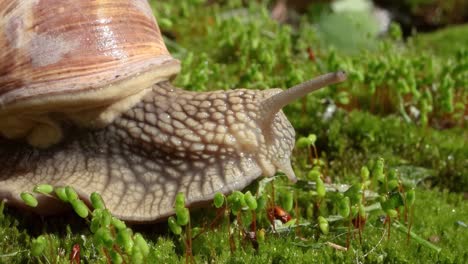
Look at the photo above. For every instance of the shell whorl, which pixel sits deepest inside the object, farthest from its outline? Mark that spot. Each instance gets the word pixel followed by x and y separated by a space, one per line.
pixel 52 47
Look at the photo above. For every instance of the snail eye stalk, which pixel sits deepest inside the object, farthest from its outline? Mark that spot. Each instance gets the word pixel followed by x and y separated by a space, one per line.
pixel 270 106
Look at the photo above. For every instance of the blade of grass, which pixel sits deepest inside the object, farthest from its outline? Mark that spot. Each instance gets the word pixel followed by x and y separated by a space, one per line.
pixel 415 237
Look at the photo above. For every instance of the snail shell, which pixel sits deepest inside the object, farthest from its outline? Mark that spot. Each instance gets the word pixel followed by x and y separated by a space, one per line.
pixel 86 60
pixel 86 83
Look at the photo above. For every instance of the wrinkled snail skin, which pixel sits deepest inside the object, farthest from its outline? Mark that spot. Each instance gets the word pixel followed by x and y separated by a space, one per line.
pixel 97 112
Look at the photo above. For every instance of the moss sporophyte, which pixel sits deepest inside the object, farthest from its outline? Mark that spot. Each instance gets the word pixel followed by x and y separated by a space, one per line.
pixel 247 215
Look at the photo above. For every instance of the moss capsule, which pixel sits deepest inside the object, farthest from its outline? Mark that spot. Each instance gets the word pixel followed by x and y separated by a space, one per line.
pixel 378 170
pixel 137 256
pixel 80 208
pixel 362 211
pixel 396 200
pixel 321 191
pixel 344 207
pixel 218 200
pixel 179 201
pixel 261 203
pixel 38 246
pixel 124 239
pixel 392 185
pixel 104 237
pixel 43 188
pixel 410 197
pixel 71 193
pixel 312 138
pixel 310 211
pixel 303 142
pixel 61 194
pixel 29 199
pixel 392 213
pixel 261 235
pixel 323 224
pixel 175 228
pixel 142 244
pixel 287 201
pixel 118 224
pixel 95 224
pixel 236 201
pixel 313 175
pixel 97 201
pixel 183 216
pixel 365 173
pixel 250 201
pixel 106 218
pixel 165 22
pixel 116 258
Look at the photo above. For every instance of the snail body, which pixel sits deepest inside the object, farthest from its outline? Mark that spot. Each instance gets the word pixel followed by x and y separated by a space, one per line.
pixel 86 101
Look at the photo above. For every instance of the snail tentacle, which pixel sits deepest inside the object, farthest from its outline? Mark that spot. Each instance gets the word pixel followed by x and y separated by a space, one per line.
pixel 272 105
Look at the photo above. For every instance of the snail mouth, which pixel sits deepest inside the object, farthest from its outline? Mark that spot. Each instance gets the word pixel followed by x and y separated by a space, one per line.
pixel 285 167
pixel 271 166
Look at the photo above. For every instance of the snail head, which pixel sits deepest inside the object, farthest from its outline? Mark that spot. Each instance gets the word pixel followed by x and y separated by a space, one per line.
pixel 264 129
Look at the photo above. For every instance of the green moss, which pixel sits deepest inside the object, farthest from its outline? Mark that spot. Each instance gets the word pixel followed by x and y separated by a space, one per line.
pixel 349 139
pixel 440 217
pixel 443 42
pixel 231 48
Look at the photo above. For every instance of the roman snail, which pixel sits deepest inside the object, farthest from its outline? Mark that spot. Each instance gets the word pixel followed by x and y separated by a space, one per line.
pixel 86 101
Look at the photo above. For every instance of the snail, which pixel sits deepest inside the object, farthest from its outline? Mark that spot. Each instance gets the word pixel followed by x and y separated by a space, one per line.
pixel 86 101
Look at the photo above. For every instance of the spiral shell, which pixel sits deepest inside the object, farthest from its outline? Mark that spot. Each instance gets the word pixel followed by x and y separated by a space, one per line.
pixel 68 56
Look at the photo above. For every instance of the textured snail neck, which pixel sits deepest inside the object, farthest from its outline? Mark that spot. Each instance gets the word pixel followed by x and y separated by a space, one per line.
pixel 202 125
pixel 189 123
pixel 179 122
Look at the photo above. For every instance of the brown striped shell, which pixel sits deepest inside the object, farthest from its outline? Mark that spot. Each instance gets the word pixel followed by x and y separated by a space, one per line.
pixel 81 60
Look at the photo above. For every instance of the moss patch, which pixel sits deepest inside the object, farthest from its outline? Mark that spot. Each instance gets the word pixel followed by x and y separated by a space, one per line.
pixel 445 41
